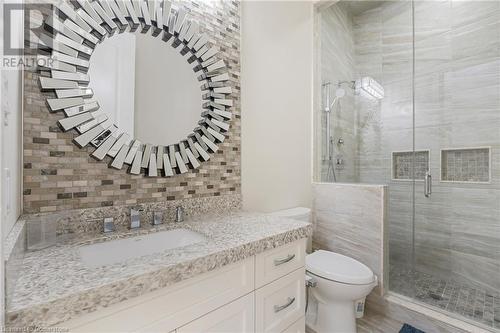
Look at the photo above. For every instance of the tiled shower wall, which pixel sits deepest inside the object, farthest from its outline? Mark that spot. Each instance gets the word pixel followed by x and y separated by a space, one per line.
pixel 457 95
pixel 59 176
pixel 337 64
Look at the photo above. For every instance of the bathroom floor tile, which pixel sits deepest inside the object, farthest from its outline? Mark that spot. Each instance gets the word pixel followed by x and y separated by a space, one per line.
pixel 468 301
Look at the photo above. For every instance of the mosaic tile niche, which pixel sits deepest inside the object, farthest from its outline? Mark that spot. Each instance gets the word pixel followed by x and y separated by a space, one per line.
pixel 402 163
pixel 60 176
pixel 465 165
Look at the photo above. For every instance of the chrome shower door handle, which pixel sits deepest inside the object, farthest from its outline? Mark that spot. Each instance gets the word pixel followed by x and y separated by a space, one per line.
pixel 427 184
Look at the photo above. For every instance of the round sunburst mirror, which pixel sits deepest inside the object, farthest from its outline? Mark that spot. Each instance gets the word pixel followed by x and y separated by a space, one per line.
pixel 138 82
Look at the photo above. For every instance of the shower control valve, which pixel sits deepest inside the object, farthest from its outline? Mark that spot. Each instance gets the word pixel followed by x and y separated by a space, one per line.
pixel 339 162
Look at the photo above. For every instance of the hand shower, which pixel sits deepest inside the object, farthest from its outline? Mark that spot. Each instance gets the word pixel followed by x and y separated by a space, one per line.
pixel 339 93
pixel 366 87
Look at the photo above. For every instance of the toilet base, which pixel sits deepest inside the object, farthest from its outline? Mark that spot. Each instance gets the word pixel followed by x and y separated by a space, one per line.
pixel 336 317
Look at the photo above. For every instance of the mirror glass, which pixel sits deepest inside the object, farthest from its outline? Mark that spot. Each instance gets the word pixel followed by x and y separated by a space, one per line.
pixel 146 87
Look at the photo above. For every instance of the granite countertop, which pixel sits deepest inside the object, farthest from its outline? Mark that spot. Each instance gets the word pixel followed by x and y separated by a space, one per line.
pixel 54 285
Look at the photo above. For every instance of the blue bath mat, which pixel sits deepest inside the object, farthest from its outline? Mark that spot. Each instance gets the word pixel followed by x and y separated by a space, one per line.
pixel 409 329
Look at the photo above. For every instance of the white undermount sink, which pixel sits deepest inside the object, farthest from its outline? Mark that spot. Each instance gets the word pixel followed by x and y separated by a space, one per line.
pixel 111 252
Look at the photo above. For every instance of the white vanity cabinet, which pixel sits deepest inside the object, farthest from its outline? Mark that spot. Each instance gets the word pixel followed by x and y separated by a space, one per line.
pixel 263 293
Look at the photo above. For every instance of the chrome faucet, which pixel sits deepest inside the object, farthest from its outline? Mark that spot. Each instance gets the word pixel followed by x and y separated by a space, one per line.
pixel 135 217
pixel 179 214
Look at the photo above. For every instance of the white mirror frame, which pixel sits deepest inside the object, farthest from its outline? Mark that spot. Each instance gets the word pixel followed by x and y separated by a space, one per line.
pixel 71 36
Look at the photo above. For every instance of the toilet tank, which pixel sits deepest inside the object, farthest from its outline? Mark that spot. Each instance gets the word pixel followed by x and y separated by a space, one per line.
pixel 300 214
pixel 297 213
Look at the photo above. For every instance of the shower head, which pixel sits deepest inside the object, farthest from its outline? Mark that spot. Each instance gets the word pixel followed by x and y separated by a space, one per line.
pixel 368 86
pixel 339 93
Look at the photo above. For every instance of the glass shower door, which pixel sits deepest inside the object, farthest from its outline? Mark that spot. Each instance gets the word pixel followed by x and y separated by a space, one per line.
pixel 433 138
pixel 393 161
pixel 457 157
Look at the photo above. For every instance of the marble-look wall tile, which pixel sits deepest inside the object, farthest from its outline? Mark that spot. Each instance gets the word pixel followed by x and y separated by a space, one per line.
pixel 337 64
pixel 350 219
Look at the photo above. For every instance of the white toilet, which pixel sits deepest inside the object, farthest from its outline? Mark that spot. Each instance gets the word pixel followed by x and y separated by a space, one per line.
pixel 341 285
pixel 340 282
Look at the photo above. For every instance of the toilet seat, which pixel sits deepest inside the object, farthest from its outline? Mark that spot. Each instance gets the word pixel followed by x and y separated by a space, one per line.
pixel 337 267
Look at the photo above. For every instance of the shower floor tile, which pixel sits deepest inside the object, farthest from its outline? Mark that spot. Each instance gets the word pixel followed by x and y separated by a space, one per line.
pixel 468 301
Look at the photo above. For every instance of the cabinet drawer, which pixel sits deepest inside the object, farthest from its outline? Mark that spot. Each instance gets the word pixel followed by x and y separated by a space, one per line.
pixel 280 303
pixel 273 264
pixel 235 317
pixel 298 327
pixel 166 309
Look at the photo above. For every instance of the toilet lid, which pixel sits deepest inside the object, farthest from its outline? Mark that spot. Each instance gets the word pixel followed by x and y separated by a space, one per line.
pixel 337 267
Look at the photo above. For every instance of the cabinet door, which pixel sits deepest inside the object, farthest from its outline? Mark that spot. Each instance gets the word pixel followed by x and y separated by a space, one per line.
pixel 235 317
pixel 280 303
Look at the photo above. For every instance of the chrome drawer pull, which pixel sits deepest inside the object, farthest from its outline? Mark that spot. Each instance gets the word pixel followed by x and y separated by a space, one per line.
pixel 278 308
pixel 278 262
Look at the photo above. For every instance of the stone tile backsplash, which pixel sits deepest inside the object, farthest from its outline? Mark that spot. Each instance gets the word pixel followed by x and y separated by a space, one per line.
pixel 90 220
pixel 59 176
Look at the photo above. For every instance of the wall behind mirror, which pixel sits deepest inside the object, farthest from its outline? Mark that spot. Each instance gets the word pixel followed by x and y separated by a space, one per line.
pixel 146 87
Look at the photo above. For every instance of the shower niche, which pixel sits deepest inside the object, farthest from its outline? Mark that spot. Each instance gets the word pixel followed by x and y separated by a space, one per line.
pixel 466 165
pixel 409 165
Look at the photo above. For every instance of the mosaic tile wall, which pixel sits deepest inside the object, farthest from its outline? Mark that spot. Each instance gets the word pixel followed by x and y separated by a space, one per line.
pixel 465 165
pixel 402 165
pixel 59 176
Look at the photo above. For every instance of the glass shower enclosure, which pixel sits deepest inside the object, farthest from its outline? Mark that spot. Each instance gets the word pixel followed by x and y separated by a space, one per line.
pixel 410 97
